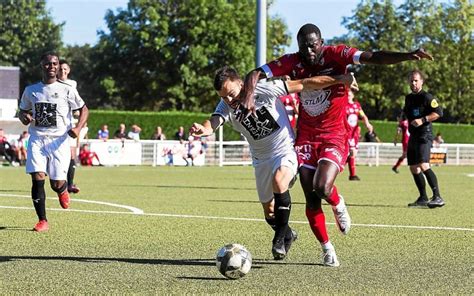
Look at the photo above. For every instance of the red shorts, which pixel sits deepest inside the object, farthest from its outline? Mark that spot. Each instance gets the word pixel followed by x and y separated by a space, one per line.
pixel 353 143
pixel 405 146
pixel 312 148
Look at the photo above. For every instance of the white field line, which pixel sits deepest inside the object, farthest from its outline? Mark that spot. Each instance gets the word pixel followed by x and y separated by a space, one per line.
pixel 132 209
pixel 243 219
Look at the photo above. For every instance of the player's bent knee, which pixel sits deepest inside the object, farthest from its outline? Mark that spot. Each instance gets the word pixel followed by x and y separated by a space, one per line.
pixel 57 186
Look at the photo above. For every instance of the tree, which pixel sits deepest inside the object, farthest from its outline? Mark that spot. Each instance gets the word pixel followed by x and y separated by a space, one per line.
pixel 161 55
pixel 445 30
pixel 26 32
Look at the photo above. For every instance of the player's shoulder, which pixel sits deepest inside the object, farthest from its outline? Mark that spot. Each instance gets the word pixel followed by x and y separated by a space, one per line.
pixel 66 84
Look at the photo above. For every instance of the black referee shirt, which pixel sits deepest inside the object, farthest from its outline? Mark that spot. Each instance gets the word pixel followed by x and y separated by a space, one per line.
pixel 417 106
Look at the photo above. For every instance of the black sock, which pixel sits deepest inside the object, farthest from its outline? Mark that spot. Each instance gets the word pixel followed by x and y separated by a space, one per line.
pixel 420 184
pixel 71 171
pixel 271 222
pixel 282 213
pixel 432 180
pixel 39 198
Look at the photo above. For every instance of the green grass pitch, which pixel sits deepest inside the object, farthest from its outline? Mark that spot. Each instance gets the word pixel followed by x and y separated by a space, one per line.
pixel 100 246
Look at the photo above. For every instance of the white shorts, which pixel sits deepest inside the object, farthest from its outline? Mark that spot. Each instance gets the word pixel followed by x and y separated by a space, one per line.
pixel 264 171
pixel 50 155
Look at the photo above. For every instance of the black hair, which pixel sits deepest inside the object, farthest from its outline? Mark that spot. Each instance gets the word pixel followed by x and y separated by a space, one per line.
pixel 308 29
pixel 63 62
pixel 223 74
pixel 49 53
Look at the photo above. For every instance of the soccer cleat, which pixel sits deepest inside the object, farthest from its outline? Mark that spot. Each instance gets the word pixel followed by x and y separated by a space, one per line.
pixel 422 201
pixel 64 199
pixel 354 178
pixel 330 258
pixel 289 239
pixel 343 220
pixel 278 249
pixel 73 189
pixel 435 202
pixel 394 169
pixel 41 226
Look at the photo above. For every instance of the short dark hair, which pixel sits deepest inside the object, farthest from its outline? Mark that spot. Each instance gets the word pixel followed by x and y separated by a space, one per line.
pixel 48 53
pixel 308 29
pixel 223 74
pixel 63 62
pixel 416 71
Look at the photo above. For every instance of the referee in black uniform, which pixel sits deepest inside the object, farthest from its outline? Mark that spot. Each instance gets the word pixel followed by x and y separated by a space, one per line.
pixel 421 108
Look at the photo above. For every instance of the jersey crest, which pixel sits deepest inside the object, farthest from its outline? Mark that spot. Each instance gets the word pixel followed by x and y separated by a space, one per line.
pixel 45 114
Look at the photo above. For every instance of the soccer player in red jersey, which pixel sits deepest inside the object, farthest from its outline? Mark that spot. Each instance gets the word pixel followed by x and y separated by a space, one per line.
pixel 291 102
pixel 402 129
pixel 354 112
pixel 322 127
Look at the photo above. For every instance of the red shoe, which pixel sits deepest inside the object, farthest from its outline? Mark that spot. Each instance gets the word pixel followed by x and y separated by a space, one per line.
pixel 73 189
pixel 64 199
pixel 41 226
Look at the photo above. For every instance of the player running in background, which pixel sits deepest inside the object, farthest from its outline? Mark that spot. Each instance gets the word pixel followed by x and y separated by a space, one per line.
pixel 322 127
pixel 291 102
pixel 402 129
pixel 63 74
pixel 48 105
pixel 354 113
pixel 271 141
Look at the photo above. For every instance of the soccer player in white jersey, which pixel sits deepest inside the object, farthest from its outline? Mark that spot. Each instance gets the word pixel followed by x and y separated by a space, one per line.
pixel 63 75
pixel 47 107
pixel 271 141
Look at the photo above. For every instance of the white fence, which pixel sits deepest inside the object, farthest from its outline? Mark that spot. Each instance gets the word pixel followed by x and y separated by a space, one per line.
pixel 148 152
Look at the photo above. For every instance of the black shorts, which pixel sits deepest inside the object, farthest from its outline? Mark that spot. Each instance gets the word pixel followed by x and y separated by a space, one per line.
pixel 418 151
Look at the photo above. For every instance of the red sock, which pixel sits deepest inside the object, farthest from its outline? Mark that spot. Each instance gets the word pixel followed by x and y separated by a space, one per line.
pixel 399 161
pixel 317 222
pixel 352 166
pixel 333 199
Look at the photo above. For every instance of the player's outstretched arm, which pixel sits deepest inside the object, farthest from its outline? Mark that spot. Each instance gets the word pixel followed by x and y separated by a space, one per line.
pixel 207 128
pixel 389 57
pixel 83 116
pixel 320 82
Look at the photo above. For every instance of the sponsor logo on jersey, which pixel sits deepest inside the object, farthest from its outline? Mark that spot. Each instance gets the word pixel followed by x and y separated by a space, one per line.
pixel 315 102
pixel 45 114
pixel 434 104
pixel 262 125
pixel 345 51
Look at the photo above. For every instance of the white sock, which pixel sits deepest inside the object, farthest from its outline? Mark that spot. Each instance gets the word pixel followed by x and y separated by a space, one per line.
pixel 327 246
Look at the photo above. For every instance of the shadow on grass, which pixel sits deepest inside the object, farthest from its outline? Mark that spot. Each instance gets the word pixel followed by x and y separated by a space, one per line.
pixel 15 228
pixel 256 264
pixel 189 187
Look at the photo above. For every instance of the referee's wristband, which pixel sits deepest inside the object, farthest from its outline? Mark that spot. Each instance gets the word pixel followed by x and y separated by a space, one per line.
pixel 423 119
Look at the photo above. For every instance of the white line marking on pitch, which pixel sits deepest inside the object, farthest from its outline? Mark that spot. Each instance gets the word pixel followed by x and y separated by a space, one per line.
pixel 245 219
pixel 132 209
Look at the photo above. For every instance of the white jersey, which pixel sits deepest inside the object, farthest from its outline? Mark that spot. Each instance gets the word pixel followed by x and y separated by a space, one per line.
pixel 52 106
pixel 269 133
pixel 70 82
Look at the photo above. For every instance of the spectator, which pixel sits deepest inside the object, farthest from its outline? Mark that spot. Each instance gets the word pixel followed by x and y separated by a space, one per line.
pixel 120 133
pixel 134 133
pixel 158 135
pixel 103 133
pixel 22 147
pixel 438 140
pixel 7 150
pixel 87 157
pixel 180 134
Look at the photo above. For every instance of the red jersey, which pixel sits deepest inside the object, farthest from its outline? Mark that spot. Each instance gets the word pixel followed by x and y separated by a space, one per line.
pixel 291 102
pixel 403 126
pixel 320 111
pixel 353 112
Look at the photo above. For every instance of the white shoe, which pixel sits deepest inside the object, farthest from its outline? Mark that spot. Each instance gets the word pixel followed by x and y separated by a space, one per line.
pixel 330 258
pixel 343 220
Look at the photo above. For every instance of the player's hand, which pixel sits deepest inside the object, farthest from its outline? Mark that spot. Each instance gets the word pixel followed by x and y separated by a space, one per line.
pixel 196 129
pixel 420 54
pixel 25 117
pixel 416 122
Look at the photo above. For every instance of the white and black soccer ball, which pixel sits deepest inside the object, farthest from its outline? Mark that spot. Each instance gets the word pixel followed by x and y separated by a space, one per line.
pixel 233 261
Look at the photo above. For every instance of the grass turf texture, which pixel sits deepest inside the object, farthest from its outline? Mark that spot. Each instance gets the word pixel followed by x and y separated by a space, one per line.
pixel 101 252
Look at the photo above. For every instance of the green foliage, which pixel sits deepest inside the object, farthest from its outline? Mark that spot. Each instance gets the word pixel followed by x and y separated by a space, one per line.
pixel 444 30
pixel 171 120
pixel 27 31
pixel 161 55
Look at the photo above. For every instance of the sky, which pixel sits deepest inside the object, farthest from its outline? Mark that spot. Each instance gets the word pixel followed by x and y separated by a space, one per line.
pixel 83 18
